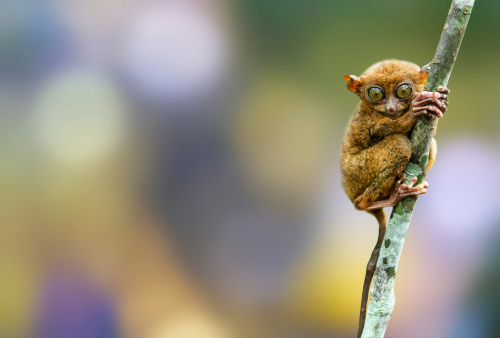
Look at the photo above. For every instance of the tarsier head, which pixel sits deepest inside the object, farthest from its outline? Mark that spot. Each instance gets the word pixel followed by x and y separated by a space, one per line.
pixel 388 87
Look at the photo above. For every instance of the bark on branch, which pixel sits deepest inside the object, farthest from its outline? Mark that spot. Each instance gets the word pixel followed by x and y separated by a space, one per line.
pixel 382 290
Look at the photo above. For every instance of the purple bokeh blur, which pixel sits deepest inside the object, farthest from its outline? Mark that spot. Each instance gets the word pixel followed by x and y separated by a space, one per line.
pixel 169 170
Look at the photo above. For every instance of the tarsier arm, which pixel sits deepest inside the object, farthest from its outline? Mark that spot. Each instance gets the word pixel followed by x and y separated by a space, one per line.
pixel 361 137
pixel 432 104
pixel 387 126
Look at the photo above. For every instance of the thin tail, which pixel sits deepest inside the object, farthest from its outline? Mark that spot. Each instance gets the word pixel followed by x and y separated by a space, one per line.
pixel 370 268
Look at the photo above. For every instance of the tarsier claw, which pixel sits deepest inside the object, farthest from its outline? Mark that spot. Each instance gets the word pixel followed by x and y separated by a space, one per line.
pixel 432 104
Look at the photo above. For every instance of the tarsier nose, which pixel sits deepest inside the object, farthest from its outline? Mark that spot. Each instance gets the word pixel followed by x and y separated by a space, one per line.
pixel 391 106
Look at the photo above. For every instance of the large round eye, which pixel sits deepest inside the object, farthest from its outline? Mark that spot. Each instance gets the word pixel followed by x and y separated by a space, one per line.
pixel 375 94
pixel 403 91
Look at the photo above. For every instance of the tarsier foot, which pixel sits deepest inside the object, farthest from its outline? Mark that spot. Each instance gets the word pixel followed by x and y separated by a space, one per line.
pixel 432 104
pixel 399 192
pixel 402 190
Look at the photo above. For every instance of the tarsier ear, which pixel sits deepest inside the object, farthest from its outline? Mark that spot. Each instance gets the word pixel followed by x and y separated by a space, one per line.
pixel 422 75
pixel 353 83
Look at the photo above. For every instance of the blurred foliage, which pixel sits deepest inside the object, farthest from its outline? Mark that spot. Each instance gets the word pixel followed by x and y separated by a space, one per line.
pixel 321 41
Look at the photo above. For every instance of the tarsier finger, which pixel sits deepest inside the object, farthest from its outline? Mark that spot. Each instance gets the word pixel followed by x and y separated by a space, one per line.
pixel 443 90
pixel 429 101
pixel 428 110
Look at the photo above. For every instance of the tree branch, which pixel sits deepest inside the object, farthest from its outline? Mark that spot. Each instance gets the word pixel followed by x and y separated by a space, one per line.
pixel 382 291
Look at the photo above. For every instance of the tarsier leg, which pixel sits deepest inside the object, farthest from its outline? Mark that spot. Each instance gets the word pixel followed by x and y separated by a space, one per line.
pixel 370 268
pixel 382 192
pixel 400 191
pixel 432 154
pixel 396 150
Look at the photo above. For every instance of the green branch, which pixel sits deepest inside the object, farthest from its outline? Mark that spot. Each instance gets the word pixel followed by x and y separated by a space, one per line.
pixel 382 290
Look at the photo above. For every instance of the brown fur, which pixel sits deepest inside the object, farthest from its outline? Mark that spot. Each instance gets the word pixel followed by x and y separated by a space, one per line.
pixel 376 146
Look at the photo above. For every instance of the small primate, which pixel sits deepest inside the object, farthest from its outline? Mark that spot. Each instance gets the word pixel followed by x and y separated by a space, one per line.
pixel 376 147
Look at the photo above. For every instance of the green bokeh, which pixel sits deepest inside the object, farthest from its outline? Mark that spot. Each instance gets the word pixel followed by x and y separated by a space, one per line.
pixel 321 41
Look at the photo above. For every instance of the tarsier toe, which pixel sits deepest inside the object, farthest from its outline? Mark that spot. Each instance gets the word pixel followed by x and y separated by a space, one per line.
pixel 421 188
pixel 400 180
pixel 403 188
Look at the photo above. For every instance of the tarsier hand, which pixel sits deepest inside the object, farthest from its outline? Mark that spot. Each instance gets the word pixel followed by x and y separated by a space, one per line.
pixel 432 104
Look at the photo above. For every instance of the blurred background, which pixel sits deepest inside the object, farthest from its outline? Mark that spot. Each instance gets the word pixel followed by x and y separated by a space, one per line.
pixel 169 169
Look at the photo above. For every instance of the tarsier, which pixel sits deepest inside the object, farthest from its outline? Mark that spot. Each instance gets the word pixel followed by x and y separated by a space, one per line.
pixel 376 147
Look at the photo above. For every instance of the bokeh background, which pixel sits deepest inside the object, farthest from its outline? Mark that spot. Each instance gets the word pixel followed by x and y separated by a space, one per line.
pixel 169 169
